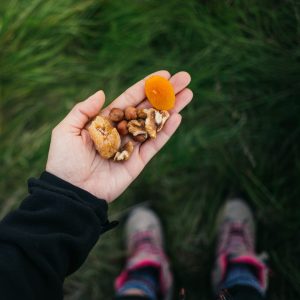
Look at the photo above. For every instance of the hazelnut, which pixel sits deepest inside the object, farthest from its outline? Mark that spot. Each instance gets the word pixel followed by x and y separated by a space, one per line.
pixel 116 115
pixel 130 113
pixel 140 138
pixel 122 127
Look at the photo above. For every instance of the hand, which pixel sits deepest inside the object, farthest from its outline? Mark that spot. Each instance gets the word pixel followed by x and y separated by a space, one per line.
pixel 72 155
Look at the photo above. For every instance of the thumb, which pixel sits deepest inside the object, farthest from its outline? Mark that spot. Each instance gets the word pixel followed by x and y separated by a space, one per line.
pixel 83 111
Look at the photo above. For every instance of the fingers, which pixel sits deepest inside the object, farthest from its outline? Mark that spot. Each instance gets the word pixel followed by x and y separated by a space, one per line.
pixel 183 98
pixel 133 95
pixel 179 82
pixel 83 111
pixel 151 147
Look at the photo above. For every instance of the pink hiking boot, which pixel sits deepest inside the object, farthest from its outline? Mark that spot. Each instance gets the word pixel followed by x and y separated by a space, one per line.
pixel 236 243
pixel 145 249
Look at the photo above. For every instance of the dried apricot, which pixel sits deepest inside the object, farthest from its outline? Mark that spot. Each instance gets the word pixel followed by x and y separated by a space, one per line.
pixel 160 92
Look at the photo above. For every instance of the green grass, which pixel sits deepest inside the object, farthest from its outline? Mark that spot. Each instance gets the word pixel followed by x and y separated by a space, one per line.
pixel 241 133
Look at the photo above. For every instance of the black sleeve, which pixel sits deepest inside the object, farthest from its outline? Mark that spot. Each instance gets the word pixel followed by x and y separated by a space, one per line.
pixel 47 238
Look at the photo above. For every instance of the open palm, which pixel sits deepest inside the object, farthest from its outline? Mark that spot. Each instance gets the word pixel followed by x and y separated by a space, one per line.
pixel 72 155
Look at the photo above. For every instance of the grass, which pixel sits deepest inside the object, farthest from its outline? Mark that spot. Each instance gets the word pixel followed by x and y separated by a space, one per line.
pixel 240 133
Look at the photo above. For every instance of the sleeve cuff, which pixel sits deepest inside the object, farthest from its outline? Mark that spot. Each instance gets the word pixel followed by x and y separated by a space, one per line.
pixel 52 182
pixel 60 183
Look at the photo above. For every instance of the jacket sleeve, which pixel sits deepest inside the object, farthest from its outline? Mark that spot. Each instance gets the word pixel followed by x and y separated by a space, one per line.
pixel 48 237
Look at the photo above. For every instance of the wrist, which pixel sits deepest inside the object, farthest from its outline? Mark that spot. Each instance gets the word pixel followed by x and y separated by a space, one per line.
pixel 63 183
pixel 54 184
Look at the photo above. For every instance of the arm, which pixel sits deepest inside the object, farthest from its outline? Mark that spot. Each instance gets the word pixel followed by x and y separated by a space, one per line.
pixel 56 226
pixel 47 238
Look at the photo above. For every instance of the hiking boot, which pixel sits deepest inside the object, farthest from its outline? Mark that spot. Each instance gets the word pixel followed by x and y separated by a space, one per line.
pixel 144 241
pixel 236 243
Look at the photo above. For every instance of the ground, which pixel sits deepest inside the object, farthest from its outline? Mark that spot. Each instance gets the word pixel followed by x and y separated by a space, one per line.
pixel 239 136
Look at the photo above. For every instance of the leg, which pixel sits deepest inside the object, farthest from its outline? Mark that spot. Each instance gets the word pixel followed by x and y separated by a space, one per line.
pixel 239 273
pixel 240 292
pixel 146 274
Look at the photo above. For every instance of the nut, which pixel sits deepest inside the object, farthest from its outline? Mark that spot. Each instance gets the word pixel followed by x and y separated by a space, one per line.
pixel 140 138
pixel 164 117
pixel 150 123
pixel 122 127
pixel 130 113
pixel 141 123
pixel 155 121
pixel 116 115
pixel 141 113
pixel 137 127
pixel 125 152
pixel 105 137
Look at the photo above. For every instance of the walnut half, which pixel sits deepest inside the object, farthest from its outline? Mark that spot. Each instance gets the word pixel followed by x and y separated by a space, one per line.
pixel 137 127
pixel 105 137
pixel 155 121
pixel 125 152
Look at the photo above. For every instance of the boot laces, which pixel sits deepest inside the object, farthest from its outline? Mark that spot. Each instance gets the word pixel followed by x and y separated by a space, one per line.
pixel 235 239
pixel 144 241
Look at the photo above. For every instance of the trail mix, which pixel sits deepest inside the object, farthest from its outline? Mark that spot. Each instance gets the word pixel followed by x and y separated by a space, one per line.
pixel 110 134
